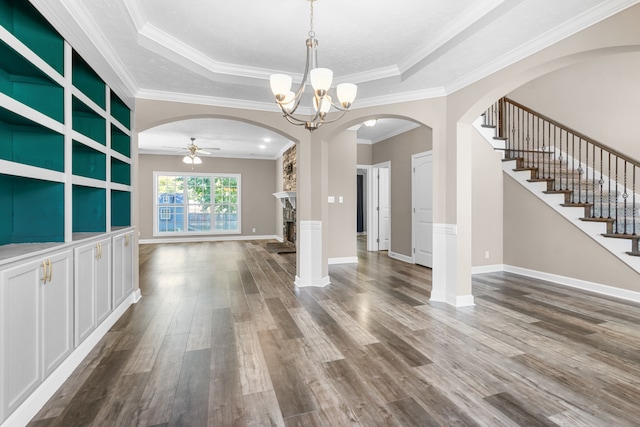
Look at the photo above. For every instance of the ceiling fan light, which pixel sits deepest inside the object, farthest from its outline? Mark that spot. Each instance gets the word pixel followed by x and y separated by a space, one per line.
pixel 197 160
pixel 187 159
pixel 321 79
pixel 346 93
pixel 280 85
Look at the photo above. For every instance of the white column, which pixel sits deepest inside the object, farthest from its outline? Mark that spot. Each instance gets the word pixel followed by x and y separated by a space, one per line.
pixel 310 259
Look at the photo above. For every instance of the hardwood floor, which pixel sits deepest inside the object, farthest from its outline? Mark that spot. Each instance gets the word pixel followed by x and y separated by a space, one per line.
pixel 221 337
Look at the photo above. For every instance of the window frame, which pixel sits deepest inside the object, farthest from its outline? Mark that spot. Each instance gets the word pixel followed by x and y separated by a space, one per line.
pixel 185 204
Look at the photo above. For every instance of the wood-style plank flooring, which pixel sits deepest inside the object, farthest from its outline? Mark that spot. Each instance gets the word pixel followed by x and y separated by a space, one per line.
pixel 221 337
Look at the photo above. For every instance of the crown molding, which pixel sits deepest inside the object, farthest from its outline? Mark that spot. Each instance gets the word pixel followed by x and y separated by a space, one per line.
pixel 396 98
pixel 72 21
pixel 142 151
pixel 452 30
pixel 567 29
pixel 186 98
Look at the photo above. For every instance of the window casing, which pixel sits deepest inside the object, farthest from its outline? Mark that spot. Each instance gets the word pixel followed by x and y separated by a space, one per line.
pixel 196 203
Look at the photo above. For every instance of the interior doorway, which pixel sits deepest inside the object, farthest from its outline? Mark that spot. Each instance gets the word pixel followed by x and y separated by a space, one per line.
pixel 422 201
pixel 379 224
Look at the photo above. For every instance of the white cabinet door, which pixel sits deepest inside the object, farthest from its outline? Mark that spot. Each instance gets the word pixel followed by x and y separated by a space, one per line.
pixel 122 267
pixel 103 281
pixel 20 334
pixel 57 312
pixel 92 286
pixel 85 291
pixel 35 324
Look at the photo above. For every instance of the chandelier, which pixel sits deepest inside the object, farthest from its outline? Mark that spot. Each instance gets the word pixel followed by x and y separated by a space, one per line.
pixel 320 79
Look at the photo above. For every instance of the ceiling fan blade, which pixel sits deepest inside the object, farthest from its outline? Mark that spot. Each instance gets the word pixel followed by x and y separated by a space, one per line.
pixel 202 151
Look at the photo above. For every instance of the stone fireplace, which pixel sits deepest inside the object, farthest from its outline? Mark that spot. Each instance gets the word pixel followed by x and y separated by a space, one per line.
pixel 288 196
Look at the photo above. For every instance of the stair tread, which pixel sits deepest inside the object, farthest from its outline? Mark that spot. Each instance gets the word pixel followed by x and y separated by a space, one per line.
pixel 622 236
pixel 597 219
pixel 633 253
pixel 577 205
pixel 557 191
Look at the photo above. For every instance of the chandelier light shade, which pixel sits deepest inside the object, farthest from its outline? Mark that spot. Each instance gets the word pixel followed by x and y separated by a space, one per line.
pixel 320 80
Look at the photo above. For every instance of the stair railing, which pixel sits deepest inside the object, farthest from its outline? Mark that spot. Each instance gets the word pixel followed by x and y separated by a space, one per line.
pixel 590 174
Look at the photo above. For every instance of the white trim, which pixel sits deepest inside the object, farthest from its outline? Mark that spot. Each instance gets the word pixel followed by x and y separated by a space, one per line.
pixel 401 257
pixel 136 297
pixel 182 239
pixel 462 301
pixel 576 283
pixel 343 260
pixel 310 256
pixel 32 405
pixel 481 269
pixel 312 283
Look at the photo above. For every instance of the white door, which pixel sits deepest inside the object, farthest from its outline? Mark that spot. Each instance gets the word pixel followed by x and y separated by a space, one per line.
pixel 384 209
pixel 422 184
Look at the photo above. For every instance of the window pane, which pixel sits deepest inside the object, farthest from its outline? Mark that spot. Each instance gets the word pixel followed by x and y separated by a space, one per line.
pixel 206 203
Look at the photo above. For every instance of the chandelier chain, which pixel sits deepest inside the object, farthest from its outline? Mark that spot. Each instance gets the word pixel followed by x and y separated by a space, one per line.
pixel 311 32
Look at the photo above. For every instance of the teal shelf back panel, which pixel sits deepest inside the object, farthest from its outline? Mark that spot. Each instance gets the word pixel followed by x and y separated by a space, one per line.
pixel 22 20
pixel 88 162
pixel 33 210
pixel 26 142
pixel 24 82
pixel 120 141
pixel 89 209
pixel 85 79
pixel 88 122
pixel 120 172
pixel 120 111
pixel 120 208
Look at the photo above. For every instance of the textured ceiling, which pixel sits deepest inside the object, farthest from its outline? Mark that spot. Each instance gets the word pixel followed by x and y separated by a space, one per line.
pixel 222 52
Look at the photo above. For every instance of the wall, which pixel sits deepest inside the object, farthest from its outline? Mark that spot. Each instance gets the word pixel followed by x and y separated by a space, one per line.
pixel 486 202
pixel 342 183
pixel 537 238
pixel 605 92
pixel 258 185
pixel 365 154
pixel 398 151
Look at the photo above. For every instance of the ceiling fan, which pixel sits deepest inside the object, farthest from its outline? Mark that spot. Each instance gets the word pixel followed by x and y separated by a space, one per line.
pixel 192 151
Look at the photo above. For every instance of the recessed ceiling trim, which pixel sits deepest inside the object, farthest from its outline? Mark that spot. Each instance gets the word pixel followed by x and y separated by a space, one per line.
pixel 567 29
pixel 405 127
pixel 471 16
pixel 145 151
pixel 157 95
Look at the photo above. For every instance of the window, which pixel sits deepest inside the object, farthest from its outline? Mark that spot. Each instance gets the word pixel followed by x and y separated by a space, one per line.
pixel 196 203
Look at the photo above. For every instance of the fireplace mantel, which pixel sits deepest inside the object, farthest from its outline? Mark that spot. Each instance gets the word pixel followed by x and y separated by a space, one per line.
pixel 290 195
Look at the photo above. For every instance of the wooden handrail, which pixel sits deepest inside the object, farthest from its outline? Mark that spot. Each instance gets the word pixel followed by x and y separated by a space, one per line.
pixel 574 132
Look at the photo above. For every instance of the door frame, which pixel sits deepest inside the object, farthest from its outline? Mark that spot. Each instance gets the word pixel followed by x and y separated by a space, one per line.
pixel 372 203
pixel 414 188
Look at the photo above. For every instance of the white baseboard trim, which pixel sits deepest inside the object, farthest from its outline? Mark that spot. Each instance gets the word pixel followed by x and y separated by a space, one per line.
pixel 314 283
pixel 462 301
pixel 30 407
pixel 487 269
pixel 136 296
pixel 343 260
pixel 206 239
pixel 576 283
pixel 401 257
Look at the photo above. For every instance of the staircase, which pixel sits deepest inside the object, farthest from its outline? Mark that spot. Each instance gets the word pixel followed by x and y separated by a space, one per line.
pixel 588 183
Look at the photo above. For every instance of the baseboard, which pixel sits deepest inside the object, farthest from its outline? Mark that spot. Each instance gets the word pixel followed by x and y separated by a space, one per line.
pixel 401 257
pixel 30 407
pixel 136 296
pixel 316 283
pixel 576 283
pixel 343 260
pixel 195 239
pixel 480 269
